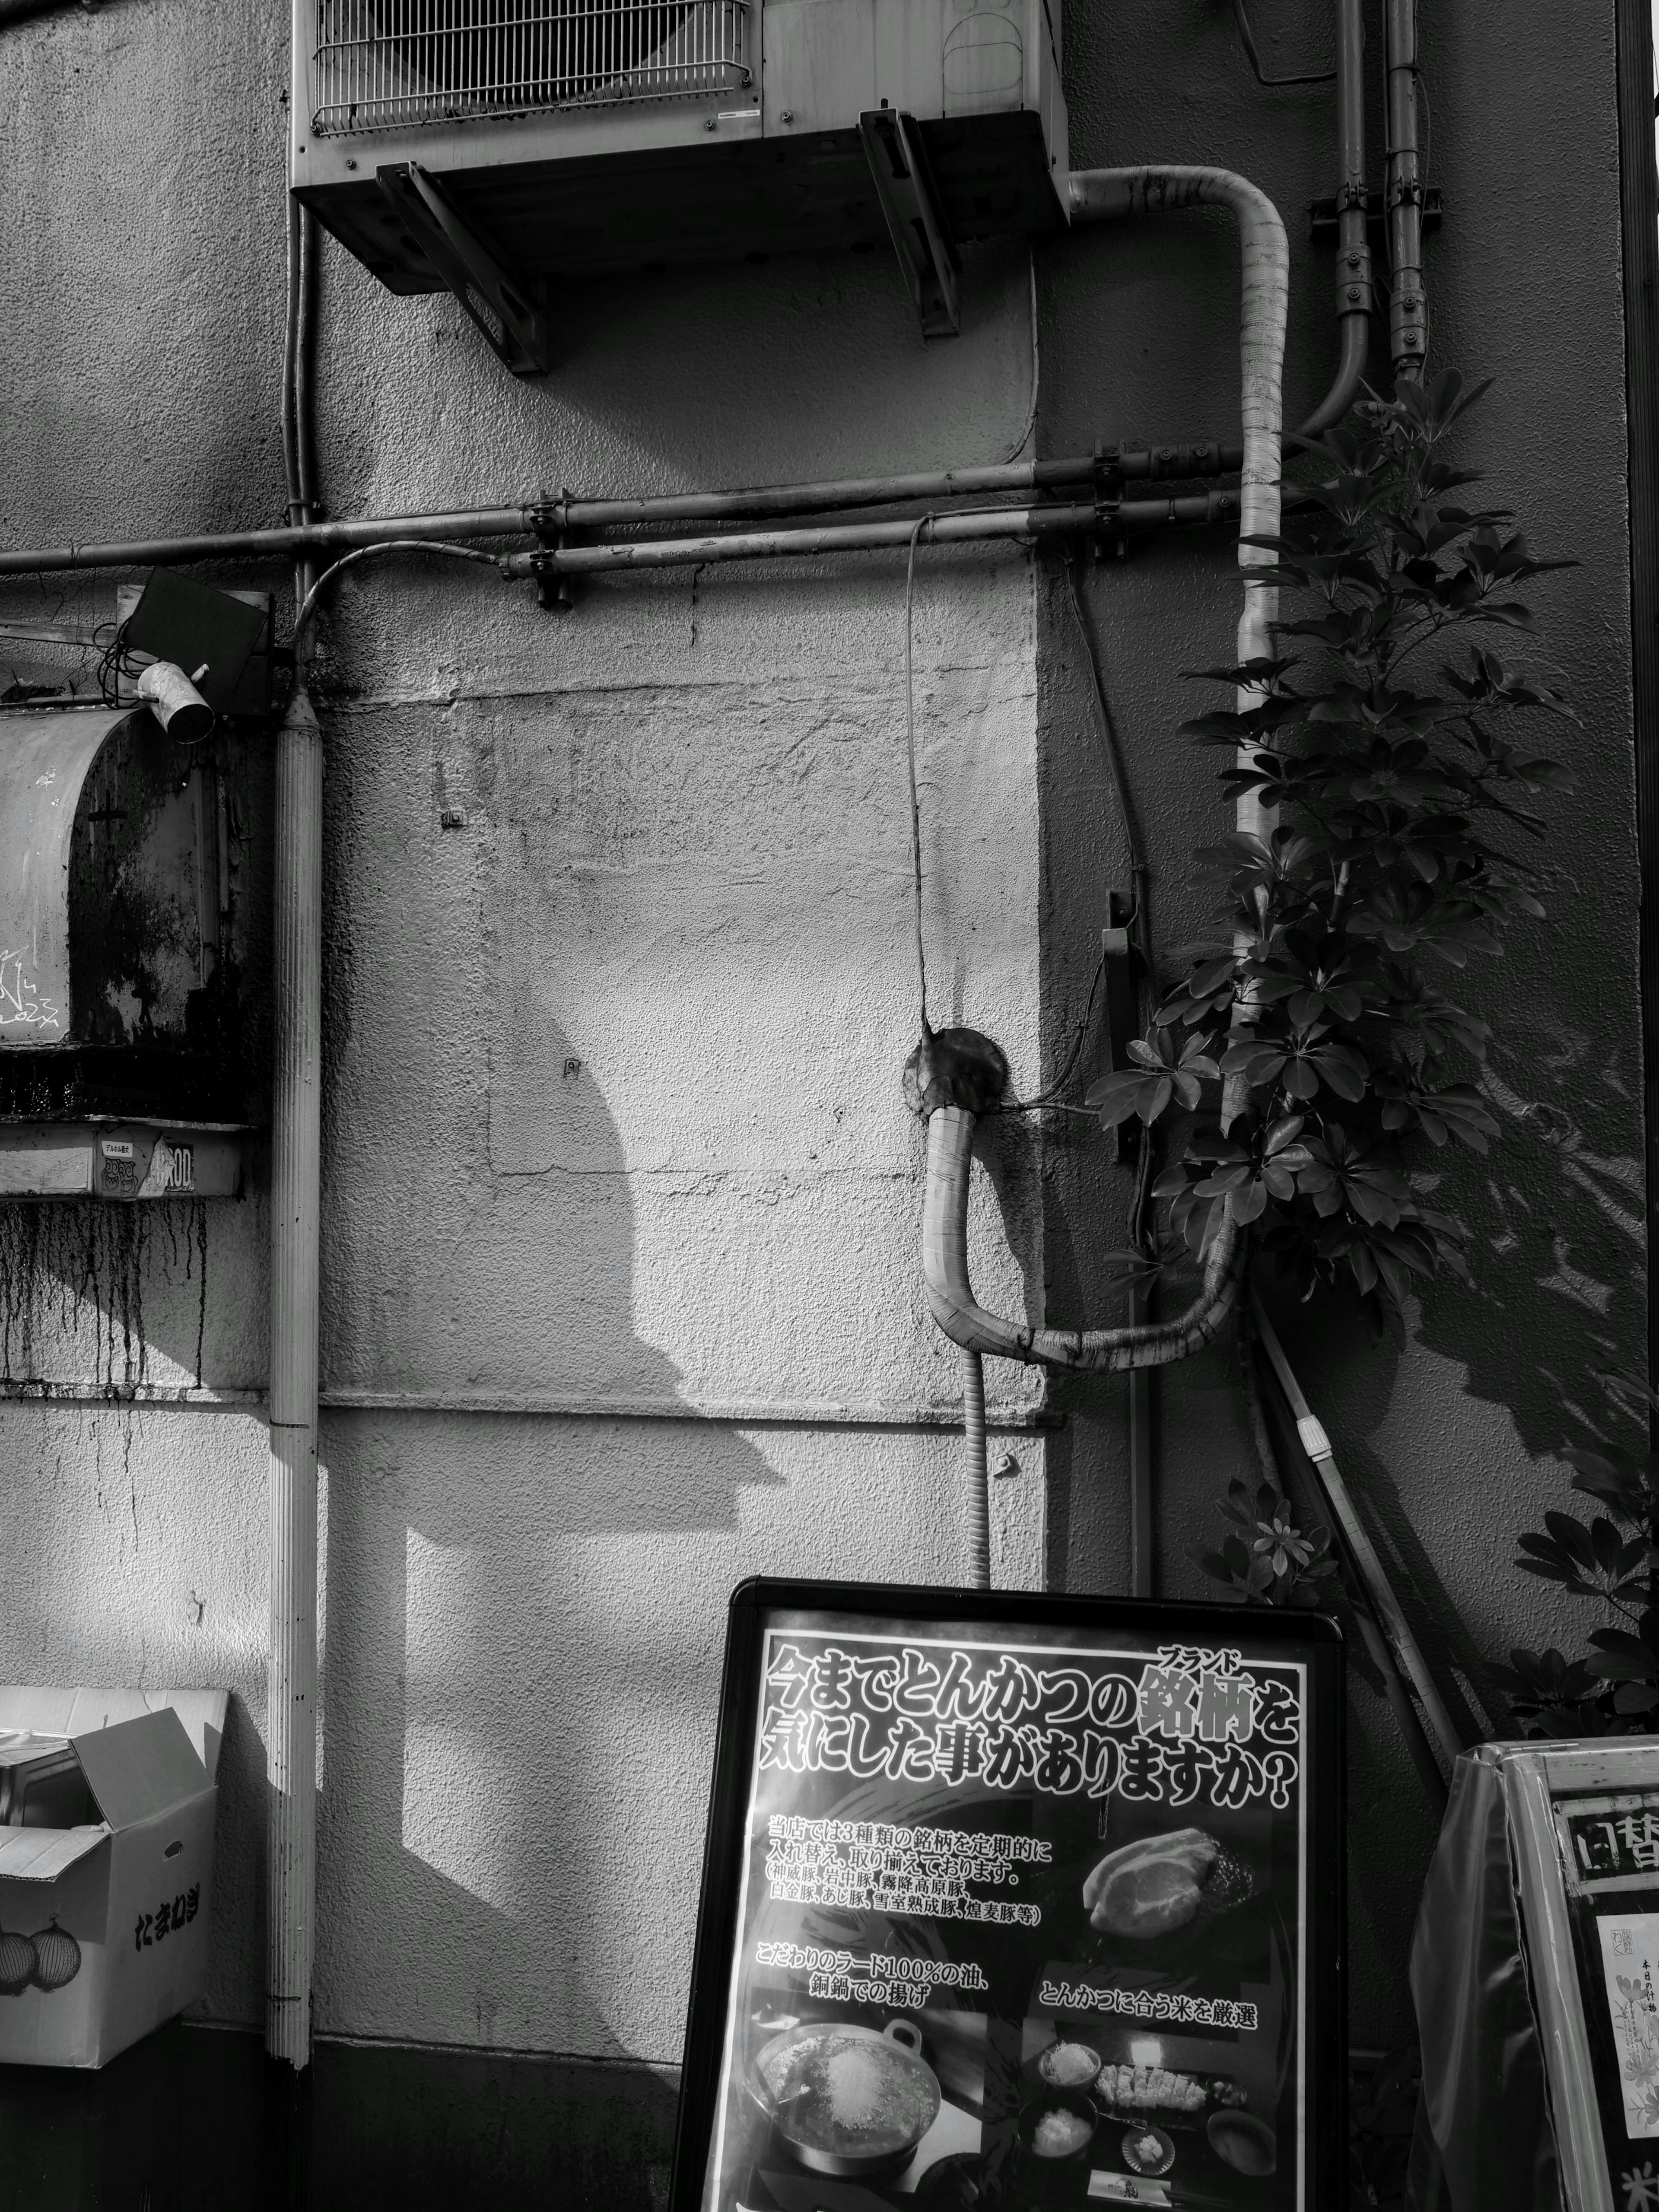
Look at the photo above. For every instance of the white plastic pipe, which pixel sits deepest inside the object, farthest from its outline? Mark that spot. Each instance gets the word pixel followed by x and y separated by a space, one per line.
pixel 295 1226
pixel 1096 195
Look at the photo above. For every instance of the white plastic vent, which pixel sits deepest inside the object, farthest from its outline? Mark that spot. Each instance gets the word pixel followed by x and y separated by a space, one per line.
pixel 384 64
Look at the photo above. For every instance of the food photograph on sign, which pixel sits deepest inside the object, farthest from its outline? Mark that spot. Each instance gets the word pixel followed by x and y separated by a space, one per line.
pixel 1023 1921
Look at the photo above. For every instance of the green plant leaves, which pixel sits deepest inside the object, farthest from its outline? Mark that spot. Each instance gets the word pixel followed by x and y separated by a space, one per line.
pixel 1268 1558
pixel 1322 996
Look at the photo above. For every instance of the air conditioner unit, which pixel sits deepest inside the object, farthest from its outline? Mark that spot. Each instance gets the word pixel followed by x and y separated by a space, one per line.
pixel 499 147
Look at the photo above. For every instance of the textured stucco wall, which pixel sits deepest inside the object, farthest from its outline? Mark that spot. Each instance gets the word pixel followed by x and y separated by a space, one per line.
pixel 619 984
pixel 618 978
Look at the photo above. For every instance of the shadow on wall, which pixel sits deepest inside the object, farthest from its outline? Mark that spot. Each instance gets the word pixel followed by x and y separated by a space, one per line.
pixel 522 1661
pixel 1556 1245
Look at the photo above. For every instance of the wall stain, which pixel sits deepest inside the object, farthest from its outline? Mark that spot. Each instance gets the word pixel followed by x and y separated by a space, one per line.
pixel 65 1262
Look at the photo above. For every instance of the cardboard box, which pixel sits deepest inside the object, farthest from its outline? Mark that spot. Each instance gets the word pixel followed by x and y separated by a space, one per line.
pixel 104 1928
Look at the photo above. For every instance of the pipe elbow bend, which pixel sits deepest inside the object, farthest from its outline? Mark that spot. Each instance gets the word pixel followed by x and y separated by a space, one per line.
pixel 960 1316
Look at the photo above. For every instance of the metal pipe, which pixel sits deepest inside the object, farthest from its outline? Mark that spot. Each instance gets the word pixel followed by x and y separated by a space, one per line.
pixel 295 1225
pixel 1408 307
pixel 1150 463
pixel 1195 508
pixel 1353 252
pixel 296 1260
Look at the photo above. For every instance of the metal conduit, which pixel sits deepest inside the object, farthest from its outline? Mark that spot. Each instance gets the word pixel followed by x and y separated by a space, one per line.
pixel 955 529
pixel 1169 462
pixel 1353 251
pixel 1408 307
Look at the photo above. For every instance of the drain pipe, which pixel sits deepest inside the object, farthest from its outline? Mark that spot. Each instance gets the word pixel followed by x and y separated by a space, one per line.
pixel 1353 251
pixel 296 1235
pixel 1095 195
pixel 1408 306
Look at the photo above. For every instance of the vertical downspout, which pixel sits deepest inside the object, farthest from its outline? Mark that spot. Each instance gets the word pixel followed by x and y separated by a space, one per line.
pixel 1408 307
pixel 295 1230
pixel 1353 249
pixel 1639 199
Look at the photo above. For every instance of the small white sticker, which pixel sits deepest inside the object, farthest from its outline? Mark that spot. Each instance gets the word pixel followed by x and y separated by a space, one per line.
pixel 117 1148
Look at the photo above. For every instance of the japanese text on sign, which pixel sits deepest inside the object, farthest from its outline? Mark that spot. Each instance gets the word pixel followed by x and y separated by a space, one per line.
pixel 1192 1725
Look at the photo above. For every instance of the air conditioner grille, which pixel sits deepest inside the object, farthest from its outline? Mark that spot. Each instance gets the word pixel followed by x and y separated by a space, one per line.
pixel 382 64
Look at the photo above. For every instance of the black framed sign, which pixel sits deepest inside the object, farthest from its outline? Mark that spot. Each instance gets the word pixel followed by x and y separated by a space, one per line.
pixel 1017 1901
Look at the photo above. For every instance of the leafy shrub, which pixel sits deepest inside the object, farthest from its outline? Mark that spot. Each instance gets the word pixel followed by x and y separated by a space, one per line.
pixel 1612 1560
pixel 1312 1043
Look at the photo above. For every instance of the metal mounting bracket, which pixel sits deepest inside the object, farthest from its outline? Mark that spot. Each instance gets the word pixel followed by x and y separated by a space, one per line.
pixel 503 308
pixel 909 198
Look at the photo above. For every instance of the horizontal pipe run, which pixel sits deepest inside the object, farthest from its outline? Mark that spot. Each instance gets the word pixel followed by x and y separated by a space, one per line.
pixel 268 544
pixel 956 529
pixel 1012 1417
pixel 555 516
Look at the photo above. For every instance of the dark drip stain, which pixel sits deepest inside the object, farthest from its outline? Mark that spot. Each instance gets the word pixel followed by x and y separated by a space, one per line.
pixel 66 1262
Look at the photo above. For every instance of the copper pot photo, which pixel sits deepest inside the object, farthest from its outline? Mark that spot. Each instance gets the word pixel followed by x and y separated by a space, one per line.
pixel 847 2100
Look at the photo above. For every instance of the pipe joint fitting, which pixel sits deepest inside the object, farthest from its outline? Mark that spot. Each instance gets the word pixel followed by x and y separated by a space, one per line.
pixel 1355 279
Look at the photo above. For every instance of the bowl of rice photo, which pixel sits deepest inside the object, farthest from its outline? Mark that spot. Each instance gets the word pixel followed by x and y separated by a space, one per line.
pixel 1068 2065
pixel 1057 2128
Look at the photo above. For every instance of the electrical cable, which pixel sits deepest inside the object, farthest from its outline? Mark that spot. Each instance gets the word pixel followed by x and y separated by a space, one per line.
pixel 1017 450
pixel 308 604
pixel 922 523
pixel 1247 40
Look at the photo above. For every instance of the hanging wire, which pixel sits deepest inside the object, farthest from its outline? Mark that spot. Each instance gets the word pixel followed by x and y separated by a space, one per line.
pixel 1017 450
pixel 923 522
pixel 308 604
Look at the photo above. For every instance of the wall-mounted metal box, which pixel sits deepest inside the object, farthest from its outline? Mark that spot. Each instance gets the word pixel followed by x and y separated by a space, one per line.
pixel 497 146
pixel 121 1059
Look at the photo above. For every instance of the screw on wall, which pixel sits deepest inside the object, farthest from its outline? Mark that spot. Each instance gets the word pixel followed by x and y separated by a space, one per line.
pixel 1005 1467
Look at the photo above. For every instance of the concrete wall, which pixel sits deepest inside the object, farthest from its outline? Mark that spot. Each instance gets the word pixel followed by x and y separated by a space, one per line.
pixel 619 985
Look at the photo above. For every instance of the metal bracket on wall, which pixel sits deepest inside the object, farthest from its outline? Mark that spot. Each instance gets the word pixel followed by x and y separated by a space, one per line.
pixel 1324 215
pixel 500 305
pixel 909 199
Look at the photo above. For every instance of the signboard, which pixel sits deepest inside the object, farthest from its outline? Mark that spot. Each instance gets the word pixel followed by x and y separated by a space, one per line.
pixel 1017 1901
pixel 1584 1818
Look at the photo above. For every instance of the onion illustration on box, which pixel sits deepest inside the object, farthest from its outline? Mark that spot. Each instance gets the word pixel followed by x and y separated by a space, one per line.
pixel 1021 1924
pixel 49 1959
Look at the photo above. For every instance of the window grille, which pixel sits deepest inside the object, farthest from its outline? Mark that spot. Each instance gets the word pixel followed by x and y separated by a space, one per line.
pixel 386 64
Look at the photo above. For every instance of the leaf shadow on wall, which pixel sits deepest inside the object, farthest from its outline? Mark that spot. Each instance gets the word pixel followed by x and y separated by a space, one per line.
pixel 1555 1250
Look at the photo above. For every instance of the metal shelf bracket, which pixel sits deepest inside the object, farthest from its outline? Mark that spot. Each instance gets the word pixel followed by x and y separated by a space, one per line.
pixel 503 307
pixel 909 199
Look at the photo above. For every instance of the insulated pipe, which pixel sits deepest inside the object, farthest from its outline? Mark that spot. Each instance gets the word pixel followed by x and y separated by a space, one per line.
pixel 1408 307
pixel 1265 253
pixel 1353 251
pixel 952 1301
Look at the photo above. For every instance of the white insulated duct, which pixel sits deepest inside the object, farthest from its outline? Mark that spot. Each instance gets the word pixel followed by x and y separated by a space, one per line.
pixel 1098 195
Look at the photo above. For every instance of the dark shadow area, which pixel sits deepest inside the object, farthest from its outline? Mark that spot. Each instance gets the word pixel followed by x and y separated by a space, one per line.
pixel 198 2120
